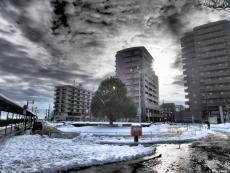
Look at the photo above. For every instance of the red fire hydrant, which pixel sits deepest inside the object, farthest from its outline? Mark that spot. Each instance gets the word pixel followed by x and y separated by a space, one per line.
pixel 136 131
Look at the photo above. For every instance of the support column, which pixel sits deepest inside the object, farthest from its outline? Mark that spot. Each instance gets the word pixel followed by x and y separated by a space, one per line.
pixel 221 114
pixel 6 121
pixel 12 123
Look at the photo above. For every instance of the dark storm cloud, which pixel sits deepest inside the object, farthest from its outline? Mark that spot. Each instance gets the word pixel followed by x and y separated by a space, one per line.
pixel 62 40
pixel 173 15
pixel 60 18
pixel 14 61
pixel 27 66
pixel 20 19
pixel 37 32
pixel 82 33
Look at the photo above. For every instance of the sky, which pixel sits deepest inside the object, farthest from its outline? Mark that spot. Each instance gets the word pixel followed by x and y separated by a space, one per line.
pixel 44 43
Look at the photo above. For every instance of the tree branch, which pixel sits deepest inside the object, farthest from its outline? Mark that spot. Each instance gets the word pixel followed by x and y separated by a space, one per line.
pixel 215 4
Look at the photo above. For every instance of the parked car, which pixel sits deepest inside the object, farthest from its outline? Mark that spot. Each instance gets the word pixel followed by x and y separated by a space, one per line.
pixel 37 125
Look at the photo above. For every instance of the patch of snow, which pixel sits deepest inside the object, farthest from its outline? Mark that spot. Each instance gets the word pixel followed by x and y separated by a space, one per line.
pixel 154 133
pixel 186 136
pixel 35 153
pixel 95 123
pixel 136 124
pixel 220 127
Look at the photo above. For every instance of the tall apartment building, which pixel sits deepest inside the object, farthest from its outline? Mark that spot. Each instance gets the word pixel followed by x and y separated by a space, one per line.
pixel 206 58
pixel 71 102
pixel 134 68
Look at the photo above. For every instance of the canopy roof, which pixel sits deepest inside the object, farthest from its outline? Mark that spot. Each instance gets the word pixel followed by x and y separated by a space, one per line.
pixel 8 105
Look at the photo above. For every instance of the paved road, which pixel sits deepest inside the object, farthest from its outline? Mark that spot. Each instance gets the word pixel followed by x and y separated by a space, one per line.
pixel 209 155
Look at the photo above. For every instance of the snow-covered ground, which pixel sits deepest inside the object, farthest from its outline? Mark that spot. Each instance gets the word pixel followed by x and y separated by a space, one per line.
pixel 220 127
pixel 68 127
pixel 34 153
pixel 154 133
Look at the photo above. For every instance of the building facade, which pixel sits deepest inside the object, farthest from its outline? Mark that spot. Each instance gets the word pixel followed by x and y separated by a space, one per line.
pixel 134 68
pixel 72 102
pixel 168 111
pixel 206 59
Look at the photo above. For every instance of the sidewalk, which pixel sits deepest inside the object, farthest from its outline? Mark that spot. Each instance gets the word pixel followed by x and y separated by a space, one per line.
pixel 9 133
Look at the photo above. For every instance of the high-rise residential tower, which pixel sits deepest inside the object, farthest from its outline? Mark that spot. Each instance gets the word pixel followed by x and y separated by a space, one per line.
pixel 134 68
pixel 206 58
pixel 71 102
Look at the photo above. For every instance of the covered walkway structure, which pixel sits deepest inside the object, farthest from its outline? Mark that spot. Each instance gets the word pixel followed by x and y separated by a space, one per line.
pixel 15 118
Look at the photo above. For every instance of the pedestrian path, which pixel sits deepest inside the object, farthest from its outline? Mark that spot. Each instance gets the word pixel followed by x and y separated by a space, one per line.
pixel 8 132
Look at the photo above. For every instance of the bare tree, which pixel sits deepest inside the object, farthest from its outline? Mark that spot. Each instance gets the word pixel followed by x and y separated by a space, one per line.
pixel 215 4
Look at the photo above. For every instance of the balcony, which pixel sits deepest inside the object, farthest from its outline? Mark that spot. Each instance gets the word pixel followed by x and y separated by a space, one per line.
pixel 212 47
pixel 186 78
pixel 208 30
pixel 217 74
pixel 188 49
pixel 216 88
pixel 215 60
pixel 215 104
pixel 218 53
pixel 185 72
pixel 209 36
pixel 216 67
pixel 217 96
pixel 216 81
pixel 213 41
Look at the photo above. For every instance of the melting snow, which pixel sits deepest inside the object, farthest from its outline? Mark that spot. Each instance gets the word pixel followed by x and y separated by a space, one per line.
pixel 35 153
pixel 154 133
pixel 221 127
